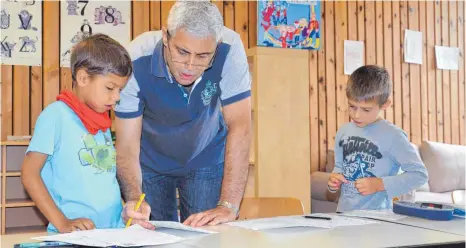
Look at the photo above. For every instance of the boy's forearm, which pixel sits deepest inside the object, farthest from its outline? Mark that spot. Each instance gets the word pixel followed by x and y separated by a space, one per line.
pixel 38 192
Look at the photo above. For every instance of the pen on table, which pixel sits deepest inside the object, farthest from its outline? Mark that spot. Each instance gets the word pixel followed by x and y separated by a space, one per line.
pixel 136 208
pixel 41 244
pixel 317 217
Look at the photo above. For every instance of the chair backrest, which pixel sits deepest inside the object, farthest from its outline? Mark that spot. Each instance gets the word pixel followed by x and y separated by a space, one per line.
pixel 263 207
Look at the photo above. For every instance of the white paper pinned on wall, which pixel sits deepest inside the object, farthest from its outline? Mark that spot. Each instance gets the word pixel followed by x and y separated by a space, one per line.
pixel 354 55
pixel 447 57
pixel 413 47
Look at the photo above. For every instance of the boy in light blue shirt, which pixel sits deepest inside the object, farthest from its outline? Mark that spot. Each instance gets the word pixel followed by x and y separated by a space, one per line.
pixel 69 169
pixel 370 151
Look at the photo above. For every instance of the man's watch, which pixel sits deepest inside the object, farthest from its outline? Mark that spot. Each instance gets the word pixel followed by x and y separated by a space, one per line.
pixel 229 206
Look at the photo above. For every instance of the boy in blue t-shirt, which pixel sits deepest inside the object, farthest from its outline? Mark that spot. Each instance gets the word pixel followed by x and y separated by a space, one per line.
pixel 370 151
pixel 69 169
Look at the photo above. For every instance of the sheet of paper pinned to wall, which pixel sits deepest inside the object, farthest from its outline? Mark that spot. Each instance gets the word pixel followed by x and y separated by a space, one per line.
pixel 413 47
pixel 354 55
pixel 124 237
pixel 299 221
pixel 447 57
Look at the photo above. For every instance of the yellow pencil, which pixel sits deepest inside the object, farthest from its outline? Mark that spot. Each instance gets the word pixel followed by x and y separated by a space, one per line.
pixel 136 208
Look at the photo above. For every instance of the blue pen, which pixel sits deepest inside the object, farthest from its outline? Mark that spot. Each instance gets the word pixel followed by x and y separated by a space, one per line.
pixel 42 244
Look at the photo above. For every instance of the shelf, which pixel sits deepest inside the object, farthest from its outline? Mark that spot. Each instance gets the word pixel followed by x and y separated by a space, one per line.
pixel 15 203
pixel 13 174
pixel 15 143
pixel 26 229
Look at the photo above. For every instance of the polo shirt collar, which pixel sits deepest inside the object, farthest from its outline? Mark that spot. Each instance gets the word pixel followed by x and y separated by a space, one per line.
pixel 159 67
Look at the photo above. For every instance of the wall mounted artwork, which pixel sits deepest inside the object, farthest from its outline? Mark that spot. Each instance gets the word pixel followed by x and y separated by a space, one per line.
pixel 289 24
pixel 82 18
pixel 21 32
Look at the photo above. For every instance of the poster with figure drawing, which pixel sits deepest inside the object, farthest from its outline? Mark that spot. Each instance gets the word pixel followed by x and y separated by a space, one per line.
pixel 289 24
pixel 82 18
pixel 21 32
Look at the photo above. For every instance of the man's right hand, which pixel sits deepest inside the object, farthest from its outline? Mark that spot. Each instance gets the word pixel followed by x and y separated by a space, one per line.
pixel 335 181
pixel 79 224
pixel 140 217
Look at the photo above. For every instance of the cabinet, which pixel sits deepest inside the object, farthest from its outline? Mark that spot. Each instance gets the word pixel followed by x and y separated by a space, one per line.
pixel 281 137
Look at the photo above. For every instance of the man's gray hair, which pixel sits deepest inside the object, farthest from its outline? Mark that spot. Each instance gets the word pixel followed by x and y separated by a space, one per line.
pixel 369 82
pixel 200 19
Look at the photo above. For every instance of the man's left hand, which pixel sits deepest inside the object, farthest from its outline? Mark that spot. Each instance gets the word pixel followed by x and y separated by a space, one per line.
pixel 211 217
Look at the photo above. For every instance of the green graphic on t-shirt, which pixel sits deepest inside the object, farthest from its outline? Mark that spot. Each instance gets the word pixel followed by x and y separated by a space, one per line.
pixel 99 156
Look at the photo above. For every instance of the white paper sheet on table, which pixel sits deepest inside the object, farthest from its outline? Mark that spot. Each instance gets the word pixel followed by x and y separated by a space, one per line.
pixel 299 221
pixel 125 237
pixel 386 214
pixel 179 226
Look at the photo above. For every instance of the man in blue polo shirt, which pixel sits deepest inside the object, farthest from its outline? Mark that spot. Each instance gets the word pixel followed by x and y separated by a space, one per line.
pixel 184 119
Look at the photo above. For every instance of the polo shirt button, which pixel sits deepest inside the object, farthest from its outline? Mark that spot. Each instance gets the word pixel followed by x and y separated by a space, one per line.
pixel 185 95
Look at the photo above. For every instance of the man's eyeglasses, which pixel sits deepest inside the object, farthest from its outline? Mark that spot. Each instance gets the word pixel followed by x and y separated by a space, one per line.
pixel 183 58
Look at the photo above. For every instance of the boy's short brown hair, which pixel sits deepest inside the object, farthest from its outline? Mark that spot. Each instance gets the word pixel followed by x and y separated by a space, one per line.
pixel 99 54
pixel 369 82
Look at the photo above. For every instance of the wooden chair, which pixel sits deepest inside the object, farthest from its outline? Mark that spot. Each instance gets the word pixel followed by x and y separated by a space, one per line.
pixel 263 207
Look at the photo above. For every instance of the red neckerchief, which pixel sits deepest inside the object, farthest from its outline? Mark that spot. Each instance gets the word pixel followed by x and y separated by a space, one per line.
pixel 92 120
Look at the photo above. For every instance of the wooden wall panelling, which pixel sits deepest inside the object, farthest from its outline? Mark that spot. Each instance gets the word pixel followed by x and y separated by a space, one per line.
pixel 453 99
pixel 322 92
pixel 371 56
pixel 36 95
pixel 431 76
pixel 414 84
pixel 155 15
pixel 241 21
pixel 141 15
pixel 330 66
pixel 352 35
pixel 341 34
pixel 229 14
pixel 314 110
pixel 379 37
pixel 438 73
pixel 252 23
pixel 388 49
pixel 423 83
pixel 21 105
pixel 7 101
pixel 446 75
pixel 396 76
pixel 461 81
pixel 51 51
pixel 404 70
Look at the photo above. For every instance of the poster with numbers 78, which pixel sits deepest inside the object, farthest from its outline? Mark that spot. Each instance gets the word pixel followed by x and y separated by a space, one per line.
pixel 82 18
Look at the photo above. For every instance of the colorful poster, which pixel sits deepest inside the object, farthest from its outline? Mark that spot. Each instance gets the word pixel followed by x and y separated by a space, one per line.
pixel 82 18
pixel 289 24
pixel 21 32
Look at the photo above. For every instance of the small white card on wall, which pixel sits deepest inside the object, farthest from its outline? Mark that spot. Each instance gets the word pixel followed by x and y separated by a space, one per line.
pixel 354 55
pixel 413 47
pixel 447 57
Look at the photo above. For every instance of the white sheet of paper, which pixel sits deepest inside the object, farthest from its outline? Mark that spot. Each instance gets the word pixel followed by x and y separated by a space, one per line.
pixel 375 214
pixel 413 46
pixel 179 226
pixel 298 221
pixel 447 57
pixel 125 237
pixel 354 55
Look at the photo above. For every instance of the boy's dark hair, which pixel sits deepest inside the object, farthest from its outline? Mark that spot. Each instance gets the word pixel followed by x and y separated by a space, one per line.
pixel 369 82
pixel 99 54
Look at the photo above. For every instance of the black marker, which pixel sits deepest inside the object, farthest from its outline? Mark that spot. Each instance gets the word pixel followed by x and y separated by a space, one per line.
pixel 317 217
